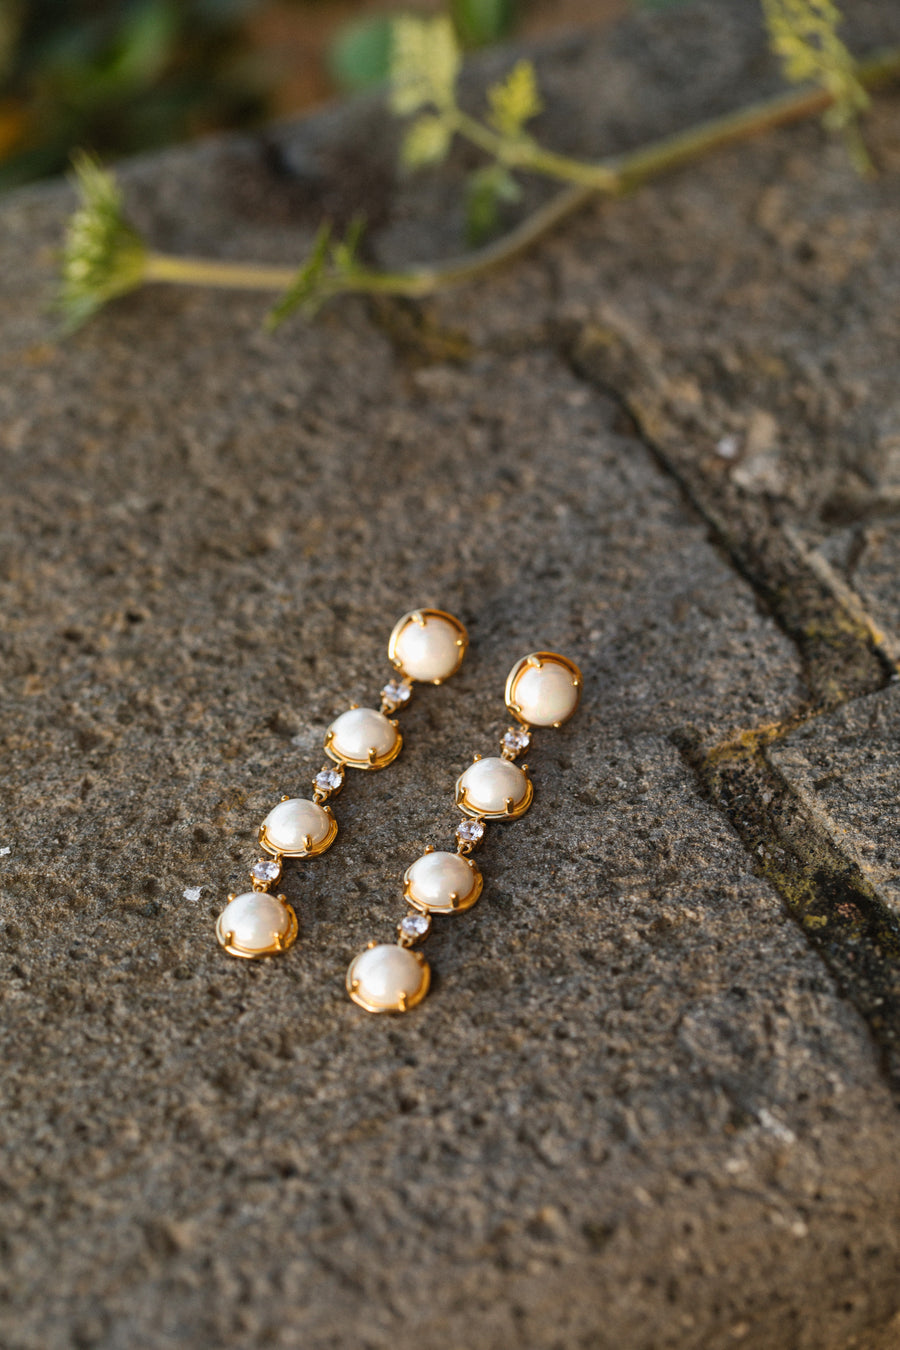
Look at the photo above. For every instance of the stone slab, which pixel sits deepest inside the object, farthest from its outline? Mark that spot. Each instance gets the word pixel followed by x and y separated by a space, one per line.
pixel 635 1111
pixel 845 767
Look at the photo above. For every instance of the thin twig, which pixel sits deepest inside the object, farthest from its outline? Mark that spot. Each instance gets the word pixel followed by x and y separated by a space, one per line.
pixel 612 177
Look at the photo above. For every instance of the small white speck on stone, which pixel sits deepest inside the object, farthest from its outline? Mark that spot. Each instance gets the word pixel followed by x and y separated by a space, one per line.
pixel 774 1126
pixel 729 447
pixel 4 852
pixel 192 893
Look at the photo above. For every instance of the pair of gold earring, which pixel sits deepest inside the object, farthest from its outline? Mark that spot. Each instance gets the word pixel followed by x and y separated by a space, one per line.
pixel 426 646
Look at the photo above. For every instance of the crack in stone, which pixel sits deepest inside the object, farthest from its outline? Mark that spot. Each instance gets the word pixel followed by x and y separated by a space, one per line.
pixel 838 910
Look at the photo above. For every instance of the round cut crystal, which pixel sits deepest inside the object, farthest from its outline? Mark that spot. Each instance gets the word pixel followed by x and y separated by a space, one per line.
pixel 266 870
pixel 415 926
pixel 516 739
pixel 470 831
pixel 396 692
pixel 328 780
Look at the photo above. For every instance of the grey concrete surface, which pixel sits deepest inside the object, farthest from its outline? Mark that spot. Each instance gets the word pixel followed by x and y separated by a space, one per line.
pixel 636 1110
pixel 846 768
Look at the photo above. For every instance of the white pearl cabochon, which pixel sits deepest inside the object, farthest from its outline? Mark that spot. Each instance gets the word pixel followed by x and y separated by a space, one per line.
pixel 428 651
pixel 360 730
pixel 546 695
pixel 490 782
pixel 288 824
pixel 385 973
pixel 434 877
pixel 256 919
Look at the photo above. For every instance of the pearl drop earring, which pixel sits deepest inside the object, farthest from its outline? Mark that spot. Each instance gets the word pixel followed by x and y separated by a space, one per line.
pixel 426 645
pixel 543 690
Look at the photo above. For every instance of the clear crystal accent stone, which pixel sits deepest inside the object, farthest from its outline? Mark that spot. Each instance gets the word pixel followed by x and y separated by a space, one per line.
pixel 266 870
pixel 328 780
pixel 396 691
pixel 516 739
pixel 415 925
pixel 470 831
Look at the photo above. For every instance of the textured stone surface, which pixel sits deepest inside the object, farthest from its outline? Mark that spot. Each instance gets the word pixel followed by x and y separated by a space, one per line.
pixel 635 1110
pixel 846 769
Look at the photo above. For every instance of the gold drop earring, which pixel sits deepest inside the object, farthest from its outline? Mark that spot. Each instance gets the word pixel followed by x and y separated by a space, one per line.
pixel 426 645
pixel 543 690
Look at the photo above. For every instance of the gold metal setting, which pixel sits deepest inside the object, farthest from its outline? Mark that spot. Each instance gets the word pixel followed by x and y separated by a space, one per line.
pixel 413 939
pixel 458 903
pixel 263 886
pixel 512 811
pixel 536 660
pixel 373 761
pixel 405 1002
pixel 311 850
pixel 280 944
pixel 419 616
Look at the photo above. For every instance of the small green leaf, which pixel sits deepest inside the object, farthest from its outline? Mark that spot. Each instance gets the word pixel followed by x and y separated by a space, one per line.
pixel 308 290
pixel 486 190
pixel 360 55
pixel 425 62
pixel 345 250
pixel 103 256
pixel 515 101
pixel 426 142
pixel 804 34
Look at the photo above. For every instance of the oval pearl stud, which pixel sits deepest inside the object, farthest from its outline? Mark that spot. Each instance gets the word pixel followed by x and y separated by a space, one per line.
pixel 442 883
pixel 388 978
pixel 428 645
pixel 256 924
pixel 543 689
pixel 363 738
pixel 494 789
pixel 298 828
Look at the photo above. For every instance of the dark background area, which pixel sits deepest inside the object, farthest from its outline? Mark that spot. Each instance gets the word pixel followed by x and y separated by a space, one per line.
pixel 120 77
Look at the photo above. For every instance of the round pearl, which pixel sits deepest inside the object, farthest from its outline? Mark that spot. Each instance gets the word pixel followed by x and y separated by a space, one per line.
pixel 547 694
pixel 489 783
pixel 435 877
pixel 428 651
pixel 387 978
pixel 360 730
pixel 256 920
pixel 289 824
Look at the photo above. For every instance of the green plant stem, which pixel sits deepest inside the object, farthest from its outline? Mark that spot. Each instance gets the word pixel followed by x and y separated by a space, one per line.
pixel 615 176
pixel 204 272
pixel 526 154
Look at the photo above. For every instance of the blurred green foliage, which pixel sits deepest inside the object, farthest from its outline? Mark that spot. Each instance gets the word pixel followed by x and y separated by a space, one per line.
pixel 117 75
pixel 121 76
pixel 360 55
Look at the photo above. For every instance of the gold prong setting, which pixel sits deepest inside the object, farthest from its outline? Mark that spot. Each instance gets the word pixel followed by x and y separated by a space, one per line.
pixel 543 689
pixel 428 645
pixel 494 788
pixel 442 883
pixel 388 978
pixel 257 924
pixel 298 828
pixel 413 927
pixel 266 872
pixel 363 738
